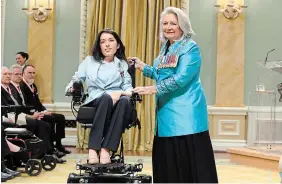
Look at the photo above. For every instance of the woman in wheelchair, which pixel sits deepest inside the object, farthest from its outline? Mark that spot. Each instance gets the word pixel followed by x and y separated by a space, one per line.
pixel 109 87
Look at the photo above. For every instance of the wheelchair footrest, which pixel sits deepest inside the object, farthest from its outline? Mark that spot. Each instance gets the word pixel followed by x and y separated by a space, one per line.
pixel 108 178
pixel 118 168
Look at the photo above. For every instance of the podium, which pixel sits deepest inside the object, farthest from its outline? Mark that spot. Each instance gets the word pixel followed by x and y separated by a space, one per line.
pixel 262 126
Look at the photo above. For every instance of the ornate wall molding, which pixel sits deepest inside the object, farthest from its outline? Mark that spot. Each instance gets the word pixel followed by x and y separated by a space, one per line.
pixel 228 127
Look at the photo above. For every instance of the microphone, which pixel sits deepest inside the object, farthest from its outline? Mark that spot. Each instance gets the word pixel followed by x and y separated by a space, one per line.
pixel 267 56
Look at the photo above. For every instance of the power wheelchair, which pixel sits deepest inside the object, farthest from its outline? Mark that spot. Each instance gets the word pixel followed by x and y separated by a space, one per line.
pixel 33 146
pixel 117 171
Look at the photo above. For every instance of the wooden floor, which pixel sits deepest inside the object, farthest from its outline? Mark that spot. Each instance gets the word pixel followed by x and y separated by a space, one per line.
pixel 228 172
pixel 260 157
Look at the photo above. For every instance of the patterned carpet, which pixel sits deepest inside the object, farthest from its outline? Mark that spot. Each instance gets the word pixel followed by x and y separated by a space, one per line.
pixel 227 172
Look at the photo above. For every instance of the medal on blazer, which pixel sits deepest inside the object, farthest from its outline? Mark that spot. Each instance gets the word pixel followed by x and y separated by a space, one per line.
pixel 169 61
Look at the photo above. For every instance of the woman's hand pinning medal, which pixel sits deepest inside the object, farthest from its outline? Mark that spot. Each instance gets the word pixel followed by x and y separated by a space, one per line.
pixel 146 90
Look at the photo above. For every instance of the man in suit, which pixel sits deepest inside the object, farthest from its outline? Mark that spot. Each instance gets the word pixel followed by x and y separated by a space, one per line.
pixel 33 123
pixel 31 97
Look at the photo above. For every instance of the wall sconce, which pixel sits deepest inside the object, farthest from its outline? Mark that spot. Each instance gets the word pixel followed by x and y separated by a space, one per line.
pixel 39 12
pixel 231 10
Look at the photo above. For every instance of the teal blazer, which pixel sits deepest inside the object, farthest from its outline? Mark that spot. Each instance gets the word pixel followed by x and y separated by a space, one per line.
pixel 181 103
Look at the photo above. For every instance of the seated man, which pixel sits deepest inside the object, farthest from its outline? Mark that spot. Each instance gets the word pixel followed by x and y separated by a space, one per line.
pixel 31 98
pixel 40 128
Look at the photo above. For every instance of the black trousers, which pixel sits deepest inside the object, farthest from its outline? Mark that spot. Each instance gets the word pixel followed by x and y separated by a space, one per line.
pixel 42 130
pixel 57 123
pixel 108 123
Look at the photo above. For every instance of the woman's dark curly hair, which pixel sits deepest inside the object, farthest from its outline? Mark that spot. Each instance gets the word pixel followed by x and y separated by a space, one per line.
pixel 96 50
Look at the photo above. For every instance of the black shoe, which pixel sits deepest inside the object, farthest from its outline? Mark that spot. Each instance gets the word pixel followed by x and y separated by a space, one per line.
pixel 8 171
pixel 11 172
pixel 58 153
pixel 3 178
pixel 6 176
pixel 59 160
pixel 63 150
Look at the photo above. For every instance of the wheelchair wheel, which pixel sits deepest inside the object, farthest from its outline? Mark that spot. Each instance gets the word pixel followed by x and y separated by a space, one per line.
pixel 48 162
pixel 33 167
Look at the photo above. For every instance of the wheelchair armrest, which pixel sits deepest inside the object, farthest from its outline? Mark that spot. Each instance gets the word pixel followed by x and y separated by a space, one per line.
pixel 85 115
pixel 15 130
